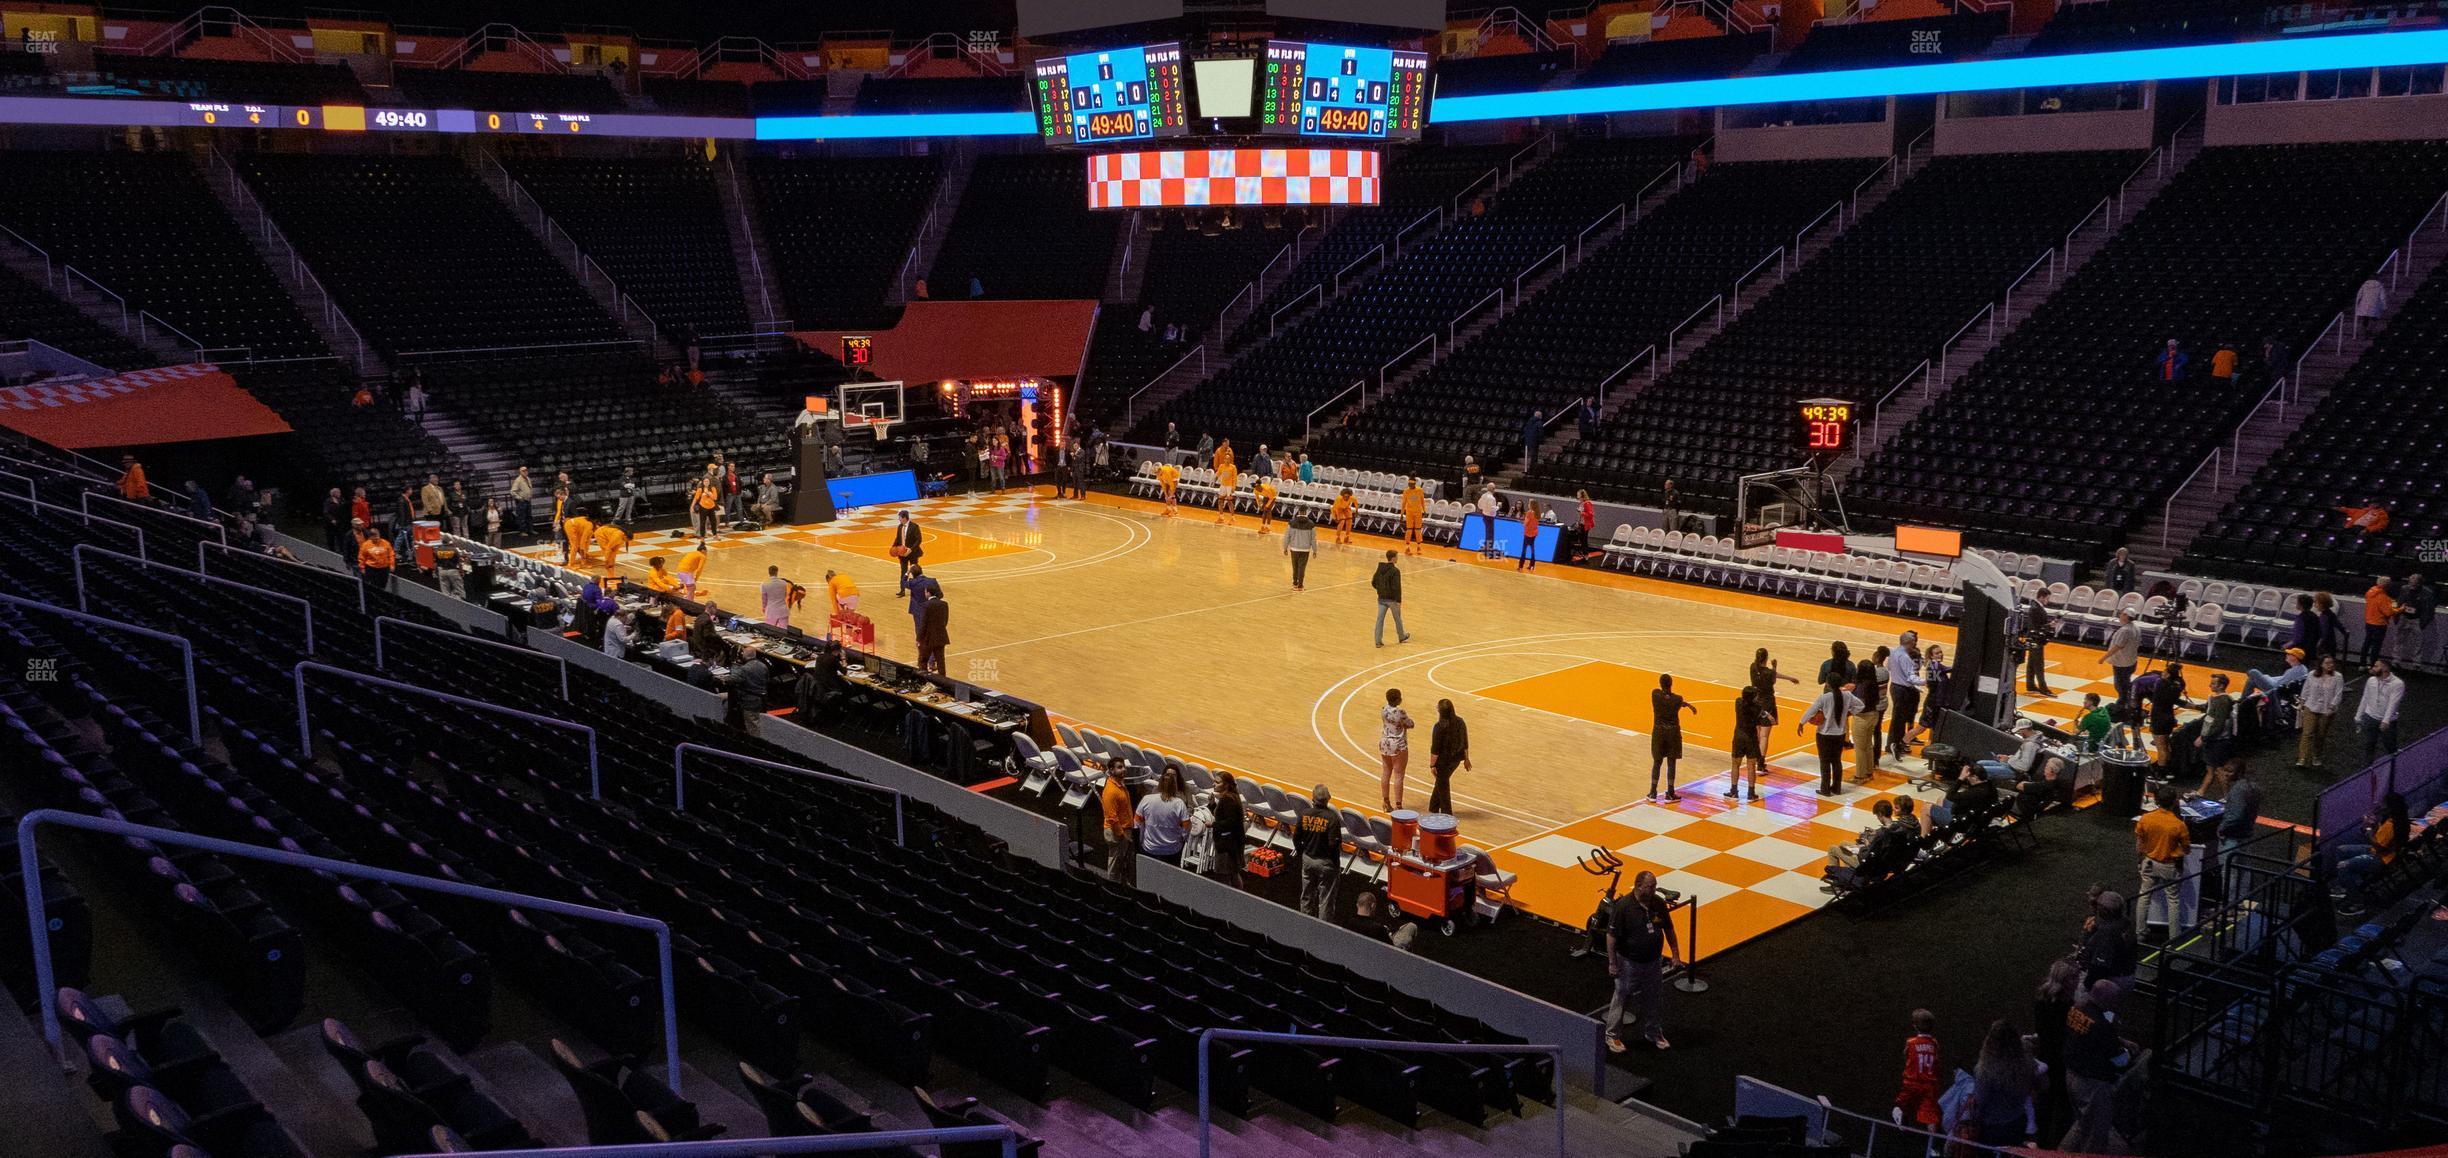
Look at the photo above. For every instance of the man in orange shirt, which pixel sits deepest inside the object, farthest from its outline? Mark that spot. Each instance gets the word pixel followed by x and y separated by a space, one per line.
pixel 2162 840
pixel 1228 482
pixel 1344 506
pixel 375 560
pixel 2379 607
pixel 1120 819
pixel 1168 481
pixel 132 484
pixel 1415 513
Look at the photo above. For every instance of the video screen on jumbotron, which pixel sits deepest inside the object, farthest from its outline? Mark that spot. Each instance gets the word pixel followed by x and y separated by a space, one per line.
pixel 1335 90
pixel 1115 94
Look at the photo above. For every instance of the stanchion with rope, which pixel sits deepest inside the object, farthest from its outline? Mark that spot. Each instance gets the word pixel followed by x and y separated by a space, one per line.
pixel 1689 980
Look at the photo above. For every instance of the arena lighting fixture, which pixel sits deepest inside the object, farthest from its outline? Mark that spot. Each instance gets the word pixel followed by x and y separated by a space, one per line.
pixel 2373 50
pixel 870 125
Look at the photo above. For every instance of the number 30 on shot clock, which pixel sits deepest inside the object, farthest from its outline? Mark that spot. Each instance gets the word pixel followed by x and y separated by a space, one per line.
pixel 1824 426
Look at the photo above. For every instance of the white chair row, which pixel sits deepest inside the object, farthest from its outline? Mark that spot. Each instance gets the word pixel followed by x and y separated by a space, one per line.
pixel 1375 511
pixel 1858 580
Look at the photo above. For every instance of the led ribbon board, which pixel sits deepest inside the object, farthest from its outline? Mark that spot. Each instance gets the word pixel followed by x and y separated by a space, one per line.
pixel 1191 177
pixel 2193 62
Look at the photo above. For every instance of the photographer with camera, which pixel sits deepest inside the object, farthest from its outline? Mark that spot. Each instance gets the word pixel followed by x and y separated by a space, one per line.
pixel 2039 623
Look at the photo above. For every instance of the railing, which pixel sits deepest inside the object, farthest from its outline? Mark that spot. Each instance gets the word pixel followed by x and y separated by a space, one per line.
pixel 1776 255
pixel 508 36
pixel 187 664
pixel 1399 236
pixel 1316 291
pixel 76 563
pixel 147 321
pixel 2337 326
pixel 1878 409
pixel 1376 251
pixel 950 1138
pixel 382 621
pixel 1616 375
pixel 2438 209
pixel 2006 303
pixel 1618 214
pixel 581 263
pixel 1853 199
pixel 190 29
pixel 86 499
pixel 2167 511
pixel 327 573
pixel 45 982
pixel 51 359
pixel 533 347
pixel 1491 179
pixel 306 723
pixel 277 247
pixel 1946 349
pixel 2275 395
pixel 1208 1037
pixel 70 275
pixel 1716 303
pixel 1428 340
pixel 1857 1133
pixel 1309 424
pixel 1838 209
pixel 38 251
pixel 1131 407
pixel 2105 211
pixel 1674 172
pixel 89 520
pixel 1529 153
pixel 1454 327
pixel 680 754
pixel 1559 253
pixel 2156 161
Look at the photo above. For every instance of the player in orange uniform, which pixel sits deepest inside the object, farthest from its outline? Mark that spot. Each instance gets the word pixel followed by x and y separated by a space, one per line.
pixel 658 577
pixel 1916 1103
pixel 1414 513
pixel 1228 482
pixel 1168 481
pixel 691 567
pixel 1262 496
pixel 578 531
pixel 610 540
pixel 1344 507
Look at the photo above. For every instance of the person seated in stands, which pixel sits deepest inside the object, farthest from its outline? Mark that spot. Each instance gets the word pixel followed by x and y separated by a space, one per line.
pixel 1376 917
pixel 768 504
pixel 2359 862
pixel 2021 763
pixel 703 642
pixel 747 681
pixel 1882 828
pixel 1975 794
pixel 1909 819
pixel 2052 788
pixel 594 607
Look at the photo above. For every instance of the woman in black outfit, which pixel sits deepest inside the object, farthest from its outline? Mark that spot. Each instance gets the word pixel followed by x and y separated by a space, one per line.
pixel 1448 749
pixel 1666 735
pixel 2165 698
pixel 1764 676
pixel 1839 664
pixel 1749 722
pixel 1227 828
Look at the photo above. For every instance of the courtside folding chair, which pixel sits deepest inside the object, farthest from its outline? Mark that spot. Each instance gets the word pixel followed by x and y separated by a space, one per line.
pixel 1494 896
pixel 1079 784
pixel 1036 767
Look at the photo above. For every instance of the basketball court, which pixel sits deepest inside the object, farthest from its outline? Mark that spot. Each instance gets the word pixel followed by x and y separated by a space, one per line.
pixel 1186 637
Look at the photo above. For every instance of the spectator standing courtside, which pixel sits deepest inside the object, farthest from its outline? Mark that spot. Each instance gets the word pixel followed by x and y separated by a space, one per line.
pixel 1835 706
pixel 2376 717
pixel 2162 840
pixel 2315 710
pixel 1300 541
pixel 2379 607
pixel 1448 749
pixel 1388 583
pixel 1120 820
pixel 1640 944
pixel 2121 573
pixel 1317 836
pixel 1903 693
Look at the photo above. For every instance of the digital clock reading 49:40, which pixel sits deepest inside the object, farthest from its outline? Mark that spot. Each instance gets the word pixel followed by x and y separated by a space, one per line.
pixel 1823 427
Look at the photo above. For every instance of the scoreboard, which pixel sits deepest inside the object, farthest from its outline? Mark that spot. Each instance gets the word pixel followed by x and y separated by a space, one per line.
pixel 1333 90
pixel 1823 427
pixel 1120 94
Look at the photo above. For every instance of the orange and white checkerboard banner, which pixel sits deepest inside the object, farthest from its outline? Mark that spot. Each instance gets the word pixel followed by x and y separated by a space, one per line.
pixel 1170 177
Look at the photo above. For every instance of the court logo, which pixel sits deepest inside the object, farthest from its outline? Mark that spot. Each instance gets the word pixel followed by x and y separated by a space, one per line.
pixel 984 671
pixel 42 671
pixel 1925 42
pixel 2431 551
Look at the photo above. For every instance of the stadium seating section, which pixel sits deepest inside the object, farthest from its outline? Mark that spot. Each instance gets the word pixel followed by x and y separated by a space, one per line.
pixel 146 225
pixel 1042 197
pixel 27 310
pixel 2373 442
pixel 2062 439
pixel 656 226
pixel 1268 395
pixel 1850 324
pixel 374 446
pixel 1621 300
pixel 838 228
pixel 422 256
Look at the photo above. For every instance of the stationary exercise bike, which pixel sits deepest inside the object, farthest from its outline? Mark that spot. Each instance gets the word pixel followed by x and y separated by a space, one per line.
pixel 1599 863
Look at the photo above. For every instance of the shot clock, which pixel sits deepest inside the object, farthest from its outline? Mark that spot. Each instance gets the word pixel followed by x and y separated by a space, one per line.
pixel 1823 427
pixel 858 350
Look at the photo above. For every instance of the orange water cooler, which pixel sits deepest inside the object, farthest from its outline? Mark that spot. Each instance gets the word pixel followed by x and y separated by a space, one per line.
pixel 427 535
pixel 1431 883
pixel 1405 824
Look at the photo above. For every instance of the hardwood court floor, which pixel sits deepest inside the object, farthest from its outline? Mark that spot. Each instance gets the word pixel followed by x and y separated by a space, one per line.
pixel 1186 636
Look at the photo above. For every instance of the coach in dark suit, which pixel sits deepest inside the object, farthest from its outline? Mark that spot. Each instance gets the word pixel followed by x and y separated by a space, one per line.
pixel 921 587
pixel 932 639
pixel 908 545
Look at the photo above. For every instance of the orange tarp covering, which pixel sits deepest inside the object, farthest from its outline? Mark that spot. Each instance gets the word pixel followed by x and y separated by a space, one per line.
pixel 171 404
pixel 936 340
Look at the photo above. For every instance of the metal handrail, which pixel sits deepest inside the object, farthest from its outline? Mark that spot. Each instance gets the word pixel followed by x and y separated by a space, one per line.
pixel 2167 511
pixel 90 519
pixel 1947 347
pixel 595 345
pixel 38 251
pixel 1428 340
pixel 1559 253
pixel 29 862
pixel 1437 213
pixel 1319 290
pixel 2065 249
pixel 69 272
pixel 462 637
pixel 1621 212
pixel 1377 251
pixel 1838 208
pixel 2157 157
pixel 1131 407
pixel 1716 302
pixel 2275 391
pixel 1617 372
pixel 85 499
pixel 306 723
pixel 1776 255
pixel 1453 328
pixel 2006 307
pixel 1799 1104
pixel 1675 171
pixel 1309 424
pixel 681 751
pixel 278 246
pixel 142 316
pixel 1491 177
pixel 1209 1036
pixel 76 564
pixel 1545 143
pixel 1853 199
pixel 359 580
pixel 947 1137
pixel 1878 409
pixel 2336 325
pixel 195 716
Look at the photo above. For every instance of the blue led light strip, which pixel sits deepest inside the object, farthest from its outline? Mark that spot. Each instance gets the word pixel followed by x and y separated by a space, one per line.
pixel 869 125
pixel 2373 50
